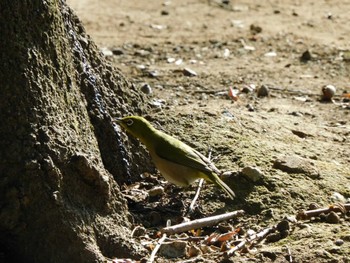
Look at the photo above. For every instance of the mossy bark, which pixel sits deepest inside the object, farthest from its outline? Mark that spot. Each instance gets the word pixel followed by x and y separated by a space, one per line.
pixel 59 152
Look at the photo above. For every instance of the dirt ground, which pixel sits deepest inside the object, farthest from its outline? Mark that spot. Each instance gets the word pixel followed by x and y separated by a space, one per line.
pixel 187 55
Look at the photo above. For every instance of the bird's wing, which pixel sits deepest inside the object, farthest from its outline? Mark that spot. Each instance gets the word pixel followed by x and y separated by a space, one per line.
pixel 178 152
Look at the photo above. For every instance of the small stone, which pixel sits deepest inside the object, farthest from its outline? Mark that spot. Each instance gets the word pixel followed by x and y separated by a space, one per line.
pixel 306 56
pixel 117 51
pixel 255 29
pixel 283 225
pixel 270 54
pixel 194 251
pixel 142 53
pixel 328 92
pixel 226 53
pixel 146 88
pixel 284 233
pixel 106 52
pixel 313 206
pixel 175 249
pixel 339 242
pixel 178 62
pixel 164 13
pixel 224 227
pixel 155 191
pixel 338 198
pixel 296 164
pixel 305 226
pixel 263 91
pixel 273 237
pixel 248 88
pixel 153 73
pixel 252 173
pixel 250 107
pixel 332 218
pixel 189 72
pixel 171 60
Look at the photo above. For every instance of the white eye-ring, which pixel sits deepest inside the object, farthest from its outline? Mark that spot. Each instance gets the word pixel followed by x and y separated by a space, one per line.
pixel 129 122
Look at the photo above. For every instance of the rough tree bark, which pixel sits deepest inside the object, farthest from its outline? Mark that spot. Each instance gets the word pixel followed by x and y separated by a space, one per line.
pixel 59 152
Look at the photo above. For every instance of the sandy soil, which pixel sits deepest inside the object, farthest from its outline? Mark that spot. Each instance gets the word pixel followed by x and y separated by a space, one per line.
pixel 191 52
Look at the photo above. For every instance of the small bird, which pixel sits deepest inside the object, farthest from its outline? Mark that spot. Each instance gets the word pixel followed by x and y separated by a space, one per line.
pixel 179 163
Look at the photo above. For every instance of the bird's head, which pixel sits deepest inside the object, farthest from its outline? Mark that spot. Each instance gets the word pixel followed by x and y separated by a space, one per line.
pixel 137 126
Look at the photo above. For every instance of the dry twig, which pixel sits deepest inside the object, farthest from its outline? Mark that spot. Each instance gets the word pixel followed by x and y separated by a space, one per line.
pixel 303 215
pixel 199 188
pixel 155 250
pixel 259 236
pixel 207 221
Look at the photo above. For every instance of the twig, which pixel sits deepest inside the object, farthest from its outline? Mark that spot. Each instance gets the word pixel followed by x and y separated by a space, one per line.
pixel 189 238
pixel 199 188
pixel 207 221
pixel 249 240
pixel 343 208
pixel 290 258
pixel 159 243
pixel 155 250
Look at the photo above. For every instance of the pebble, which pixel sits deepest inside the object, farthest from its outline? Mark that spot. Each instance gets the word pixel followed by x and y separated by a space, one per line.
pixel 146 88
pixel 338 198
pixel 255 29
pixel 273 237
pixel 250 107
pixel 339 242
pixel 263 91
pixel 296 164
pixel 226 53
pixel 252 173
pixel 142 53
pixel 194 251
pixel 270 54
pixel 332 218
pixel 283 225
pixel 306 56
pixel 328 92
pixel 153 73
pixel 155 191
pixel 175 249
pixel 189 72
pixel 117 51
pixel 157 103
pixel 178 62
pixel 106 52
pixel 313 206
pixel 248 88
pixel 284 233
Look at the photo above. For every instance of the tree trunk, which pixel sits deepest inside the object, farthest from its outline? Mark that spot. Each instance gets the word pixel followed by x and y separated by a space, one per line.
pixel 59 152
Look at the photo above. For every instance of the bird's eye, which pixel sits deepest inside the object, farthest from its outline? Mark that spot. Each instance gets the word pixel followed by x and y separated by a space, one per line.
pixel 129 122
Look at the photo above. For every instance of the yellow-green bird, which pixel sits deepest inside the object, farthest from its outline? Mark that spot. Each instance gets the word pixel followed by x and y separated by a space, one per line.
pixel 177 162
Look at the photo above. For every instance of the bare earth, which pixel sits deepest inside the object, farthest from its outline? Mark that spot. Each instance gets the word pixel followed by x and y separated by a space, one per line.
pixel 245 44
